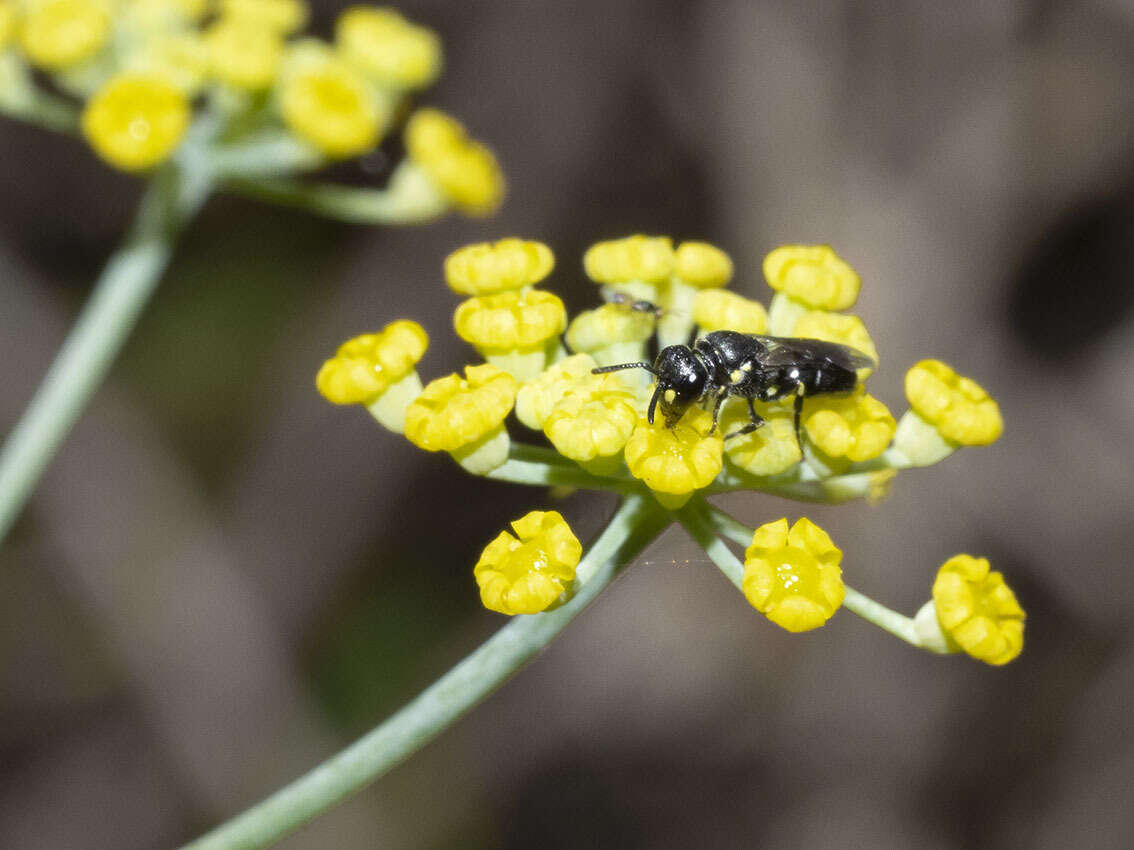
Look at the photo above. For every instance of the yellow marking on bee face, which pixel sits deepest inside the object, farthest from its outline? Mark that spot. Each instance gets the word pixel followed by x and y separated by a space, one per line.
pixel 736 377
pixel 745 367
pixel 670 395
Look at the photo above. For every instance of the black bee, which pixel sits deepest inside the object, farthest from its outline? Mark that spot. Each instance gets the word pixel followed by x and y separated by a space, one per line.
pixel 750 366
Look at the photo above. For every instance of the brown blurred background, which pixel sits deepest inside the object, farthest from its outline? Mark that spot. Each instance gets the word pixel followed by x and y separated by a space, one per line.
pixel 222 579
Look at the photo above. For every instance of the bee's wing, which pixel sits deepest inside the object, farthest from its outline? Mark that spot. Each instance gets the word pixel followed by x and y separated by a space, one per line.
pixel 792 351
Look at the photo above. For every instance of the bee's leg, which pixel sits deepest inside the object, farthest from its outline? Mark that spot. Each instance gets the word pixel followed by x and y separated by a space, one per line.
pixel 798 410
pixel 721 396
pixel 756 422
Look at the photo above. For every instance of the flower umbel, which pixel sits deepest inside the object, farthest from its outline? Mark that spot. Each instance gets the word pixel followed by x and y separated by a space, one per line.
pixel 527 572
pixel 601 438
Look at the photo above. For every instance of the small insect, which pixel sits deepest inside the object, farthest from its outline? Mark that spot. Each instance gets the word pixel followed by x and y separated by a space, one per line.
pixel 639 306
pixel 749 366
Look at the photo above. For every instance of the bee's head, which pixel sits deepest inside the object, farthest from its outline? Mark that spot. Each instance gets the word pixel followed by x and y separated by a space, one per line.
pixel 681 382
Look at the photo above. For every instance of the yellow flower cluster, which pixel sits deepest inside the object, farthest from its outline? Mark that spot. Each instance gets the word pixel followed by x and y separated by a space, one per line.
pixel 544 367
pixel 138 64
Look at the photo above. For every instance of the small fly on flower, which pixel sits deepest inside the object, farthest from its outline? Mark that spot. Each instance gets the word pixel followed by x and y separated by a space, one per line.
pixel 749 366
pixel 637 305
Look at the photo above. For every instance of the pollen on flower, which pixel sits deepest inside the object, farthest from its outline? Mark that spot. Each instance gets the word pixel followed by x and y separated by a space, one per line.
pixel 453 412
pixel 593 420
pixel 487 268
pixel 332 107
pixel 957 406
pixel 839 328
pixel 463 170
pixel 388 48
pixel 284 16
pixel 721 310
pixel 525 573
pixel 978 611
pixel 648 259
pixel 135 121
pixel 792 576
pixel 367 365
pixel 814 275
pixel 60 34
pixel 537 397
pixel 244 54
pixel 858 427
pixel 770 449
pixel 702 265
pixel 674 462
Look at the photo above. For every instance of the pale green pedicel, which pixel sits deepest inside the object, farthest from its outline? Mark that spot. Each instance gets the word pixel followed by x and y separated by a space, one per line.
pixel 636 523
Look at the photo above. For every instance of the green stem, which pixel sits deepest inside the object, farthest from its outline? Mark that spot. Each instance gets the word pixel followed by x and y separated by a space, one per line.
pixel 172 198
pixel 44 110
pixel 636 523
pixel 874 612
pixel 701 521
pixel 540 474
pixel 410 197
pixel 885 618
pixel 264 154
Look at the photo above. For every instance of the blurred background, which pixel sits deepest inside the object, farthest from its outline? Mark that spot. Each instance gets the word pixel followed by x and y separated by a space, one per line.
pixel 223 579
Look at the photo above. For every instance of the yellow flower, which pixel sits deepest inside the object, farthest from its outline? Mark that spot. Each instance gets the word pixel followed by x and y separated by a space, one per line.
pixel 858 427
pixel 140 20
pixel 243 54
pixel 181 59
pixel 465 417
pixel 517 330
pixel 329 105
pixel 593 421
pixel 63 33
pixel 636 258
pixel 673 462
pixel 9 22
pixel 977 610
pixel 770 449
pixel 955 405
pixel 611 334
pixel 377 370
pixel 526 573
pixel 696 266
pixel 840 328
pixel 702 265
pixel 490 267
pixel 537 397
pixel 461 169
pixel 721 310
pixel 793 577
pixel 388 48
pixel 814 275
pixel 284 16
pixel 135 121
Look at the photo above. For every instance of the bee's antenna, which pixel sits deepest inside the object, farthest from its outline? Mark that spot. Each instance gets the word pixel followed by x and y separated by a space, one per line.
pixel 653 405
pixel 640 365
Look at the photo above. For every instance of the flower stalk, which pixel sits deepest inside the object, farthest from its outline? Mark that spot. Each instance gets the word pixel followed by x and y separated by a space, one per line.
pixel 172 198
pixel 637 521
